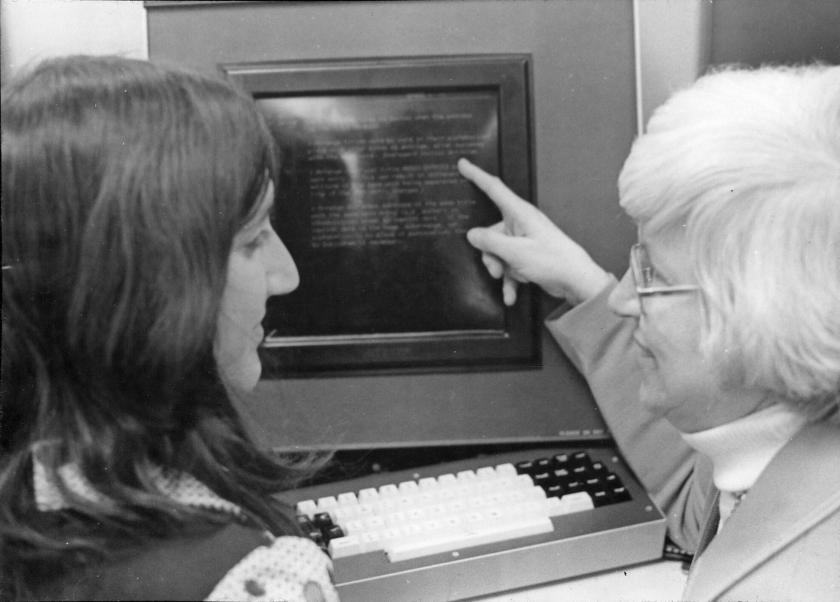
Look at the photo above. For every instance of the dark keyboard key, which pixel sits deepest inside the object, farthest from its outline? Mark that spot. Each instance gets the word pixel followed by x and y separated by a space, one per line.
pixel 305 524
pixel 598 467
pixel 542 478
pixel 580 471
pixel 555 491
pixel 574 486
pixel 525 467
pixel 562 459
pixel 581 458
pixel 620 494
pixel 593 483
pixel 543 464
pixel 600 498
pixel 322 520
pixel 333 532
pixel 612 480
pixel 561 474
pixel 316 536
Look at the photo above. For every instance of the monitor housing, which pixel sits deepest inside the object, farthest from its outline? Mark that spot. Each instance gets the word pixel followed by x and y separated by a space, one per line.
pixel 581 87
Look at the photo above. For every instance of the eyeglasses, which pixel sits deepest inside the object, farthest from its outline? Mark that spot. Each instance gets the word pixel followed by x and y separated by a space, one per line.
pixel 644 277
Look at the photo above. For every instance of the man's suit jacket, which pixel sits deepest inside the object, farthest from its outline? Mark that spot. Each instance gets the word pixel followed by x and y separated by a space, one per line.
pixel 783 541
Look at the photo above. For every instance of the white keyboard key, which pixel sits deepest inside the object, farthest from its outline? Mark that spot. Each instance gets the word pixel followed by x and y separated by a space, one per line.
pixel 390 535
pixel 347 499
pixel 396 519
pixel 447 480
pixel 453 522
pixel 468 488
pixel 374 522
pixel 406 502
pixel 428 483
pixel 366 510
pixel 389 490
pixel 480 502
pixel 325 504
pixel 535 494
pixel 569 503
pixel 342 514
pixel 432 525
pixel 412 529
pixel 417 514
pixel 446 493
pixel 446 541
pixel 427 498
pixel 506 470
pixel 457 506
pixel 534 508
pixel 496 499
pixel 485 472
pixel 507 482
pixel 436 510
pixel 370 541
pixel 485 486
pixel 307 507
pixel 349 545
pixel 368 495
pixel 475 516
pixel 523 481
pixel 408 487
pixel 466 475
pixel 353 527
pixel 385 505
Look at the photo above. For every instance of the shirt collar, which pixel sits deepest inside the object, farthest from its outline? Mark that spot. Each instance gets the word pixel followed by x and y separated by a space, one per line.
pixel 180 487
pixel 740 450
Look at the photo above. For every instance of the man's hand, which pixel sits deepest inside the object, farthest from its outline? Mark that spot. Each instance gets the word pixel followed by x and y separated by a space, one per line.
pixel 526 246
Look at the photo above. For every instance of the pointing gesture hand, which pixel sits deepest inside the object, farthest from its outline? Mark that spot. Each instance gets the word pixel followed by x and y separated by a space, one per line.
pixel 526 246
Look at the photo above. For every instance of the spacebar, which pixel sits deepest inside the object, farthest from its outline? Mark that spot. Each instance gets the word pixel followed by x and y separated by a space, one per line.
pixel 435 543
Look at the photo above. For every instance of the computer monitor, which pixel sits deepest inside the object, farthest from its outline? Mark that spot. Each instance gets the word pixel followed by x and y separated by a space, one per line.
pixel 374 212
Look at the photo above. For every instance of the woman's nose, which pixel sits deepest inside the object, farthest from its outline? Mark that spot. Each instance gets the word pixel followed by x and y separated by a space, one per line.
pixel 623 300
pixel 281 272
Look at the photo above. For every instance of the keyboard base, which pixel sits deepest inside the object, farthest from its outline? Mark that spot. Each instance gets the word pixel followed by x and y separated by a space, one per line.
pixel 600 539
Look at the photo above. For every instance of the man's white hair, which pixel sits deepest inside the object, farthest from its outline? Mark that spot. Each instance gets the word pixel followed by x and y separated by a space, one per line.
pixel 747 162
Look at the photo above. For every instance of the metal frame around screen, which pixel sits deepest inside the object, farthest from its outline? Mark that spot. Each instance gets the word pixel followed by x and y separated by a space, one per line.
pixel 517 344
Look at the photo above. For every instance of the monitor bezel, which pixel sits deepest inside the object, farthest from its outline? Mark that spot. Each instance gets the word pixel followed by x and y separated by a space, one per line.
pixel 518 345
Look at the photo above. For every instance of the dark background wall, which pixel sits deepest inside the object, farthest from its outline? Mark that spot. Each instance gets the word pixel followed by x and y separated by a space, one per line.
pixel 753 32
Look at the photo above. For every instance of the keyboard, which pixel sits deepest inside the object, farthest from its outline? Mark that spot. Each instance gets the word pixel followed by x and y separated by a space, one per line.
pixel 482 525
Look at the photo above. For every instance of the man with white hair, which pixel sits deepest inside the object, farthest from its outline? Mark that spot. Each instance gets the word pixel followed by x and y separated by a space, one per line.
pixel 718 371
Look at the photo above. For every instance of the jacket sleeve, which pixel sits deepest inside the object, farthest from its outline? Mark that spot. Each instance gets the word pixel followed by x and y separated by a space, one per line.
pixel 600 345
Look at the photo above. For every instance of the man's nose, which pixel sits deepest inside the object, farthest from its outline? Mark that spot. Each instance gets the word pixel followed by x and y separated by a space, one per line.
pixel 624 300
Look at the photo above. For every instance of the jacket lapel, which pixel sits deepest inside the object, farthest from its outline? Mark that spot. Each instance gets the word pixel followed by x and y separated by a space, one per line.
pixel 779 508
pixel 710 523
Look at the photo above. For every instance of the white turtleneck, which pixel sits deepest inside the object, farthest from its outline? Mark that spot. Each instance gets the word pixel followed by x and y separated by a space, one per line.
pixel 740 450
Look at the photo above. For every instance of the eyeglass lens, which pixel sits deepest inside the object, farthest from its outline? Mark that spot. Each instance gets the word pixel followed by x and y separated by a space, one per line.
pixel 643 272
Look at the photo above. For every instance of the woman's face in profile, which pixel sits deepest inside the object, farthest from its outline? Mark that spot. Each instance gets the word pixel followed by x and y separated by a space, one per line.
pixel 678 382
pixel 259 266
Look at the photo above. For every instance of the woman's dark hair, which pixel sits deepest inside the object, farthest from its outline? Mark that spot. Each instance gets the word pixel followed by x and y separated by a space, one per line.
pixel 123 185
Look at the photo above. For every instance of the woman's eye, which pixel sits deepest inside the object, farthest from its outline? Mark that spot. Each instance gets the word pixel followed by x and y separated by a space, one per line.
pixel 256 242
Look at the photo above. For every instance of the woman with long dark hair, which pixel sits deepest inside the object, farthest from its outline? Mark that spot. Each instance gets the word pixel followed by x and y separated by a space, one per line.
pixel 137 258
